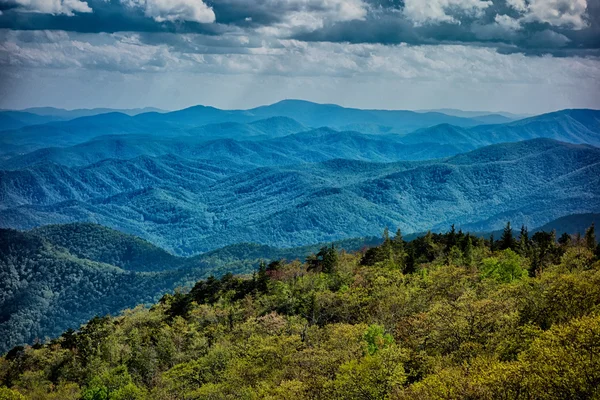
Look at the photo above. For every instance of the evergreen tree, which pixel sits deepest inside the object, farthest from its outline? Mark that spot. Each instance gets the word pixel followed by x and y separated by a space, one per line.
pixel 590 238
pixel 410 265
pixel 492 243
pixel 451 241
pixel 507 241
pixel 524 241
pixel 565 239
pixel 398 248
pixel 468 253
pixel 387 247
pixel 262 278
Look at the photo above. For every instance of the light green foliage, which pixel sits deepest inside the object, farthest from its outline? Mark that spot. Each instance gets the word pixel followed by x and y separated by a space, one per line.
pixel 462 323
pixel 506 267
pixel 8 394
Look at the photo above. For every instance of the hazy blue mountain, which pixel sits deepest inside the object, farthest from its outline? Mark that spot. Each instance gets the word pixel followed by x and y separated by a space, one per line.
pixel 573 126
pixel 572 224
pixel 531 182
pixel 331 115
pixel 50 183
pixel 86 112
pixel 50 137
pixel 78 130
pixel 65 133
pixel 18 119
pixel 477 114
pixel 122 136
pixel 310 146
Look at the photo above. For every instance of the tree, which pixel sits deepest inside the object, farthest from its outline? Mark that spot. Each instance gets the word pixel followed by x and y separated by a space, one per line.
pixel 451 238
pixel 468 253
pixel 398 248
pixel 492 243
pixel 564 239
pixel 325 260
pixel 524 241
pixel 506 268
pixel 507 241
pixel 262 278
pixel 590 238
pixel 410 266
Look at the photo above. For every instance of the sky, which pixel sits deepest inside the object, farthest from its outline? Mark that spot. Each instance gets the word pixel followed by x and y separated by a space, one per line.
pixel 521 56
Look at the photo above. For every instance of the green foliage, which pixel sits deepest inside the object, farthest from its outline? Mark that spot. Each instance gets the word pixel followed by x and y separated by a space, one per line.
pixel 8 394
pixel 457 321
pixel 506 267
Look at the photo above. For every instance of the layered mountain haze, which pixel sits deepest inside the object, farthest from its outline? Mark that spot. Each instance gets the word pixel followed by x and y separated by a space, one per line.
pixel 194 206
pixel 192 121
pixel 207 191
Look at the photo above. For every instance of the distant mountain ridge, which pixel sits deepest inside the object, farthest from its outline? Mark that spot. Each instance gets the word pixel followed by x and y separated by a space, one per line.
pixel 279 140
pixel 573 126
pixel 311 115
pixel 530 182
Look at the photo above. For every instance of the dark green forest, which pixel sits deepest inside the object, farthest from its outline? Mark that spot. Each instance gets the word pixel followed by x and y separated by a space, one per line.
pixel 58 276
pixel 443 316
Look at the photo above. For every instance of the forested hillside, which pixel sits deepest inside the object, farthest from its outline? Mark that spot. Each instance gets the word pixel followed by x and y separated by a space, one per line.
pixel 188 206
pixel 58 276
pixel 445 316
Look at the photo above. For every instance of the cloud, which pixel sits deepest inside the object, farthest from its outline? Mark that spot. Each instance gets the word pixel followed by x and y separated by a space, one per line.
pixel 56 7
pixel 532 27
pixel 174 10
pixel 310 15
pixel 563 13
pixel 435 11
pixel 136 54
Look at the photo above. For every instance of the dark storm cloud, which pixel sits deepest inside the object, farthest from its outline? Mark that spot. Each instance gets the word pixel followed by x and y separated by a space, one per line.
pixel 490 28
pixel 571 28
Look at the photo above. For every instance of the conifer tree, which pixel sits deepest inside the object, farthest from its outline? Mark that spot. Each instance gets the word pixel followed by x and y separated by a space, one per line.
pixel 398 248
pixel 507 241
pixel 492 243
pixel 590 237
pixel 410 266
pixel 468 253
pixel 524 241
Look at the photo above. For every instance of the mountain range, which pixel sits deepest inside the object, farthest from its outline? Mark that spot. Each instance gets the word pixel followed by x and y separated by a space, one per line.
pixel 117 207
pixel 28 137
pixel 189 206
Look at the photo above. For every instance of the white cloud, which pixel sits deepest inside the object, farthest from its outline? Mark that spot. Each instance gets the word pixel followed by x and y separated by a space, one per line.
pixel 507 22
pixel 434 11
pixel 126 53
pixel 174 10
pixel 310 15
pixel 66 7
pixel 564 13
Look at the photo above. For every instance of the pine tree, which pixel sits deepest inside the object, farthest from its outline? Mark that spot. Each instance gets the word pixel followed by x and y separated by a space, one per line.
pixel 507 241
pixel 262 278
pixel 564 239
pixel 492 243
pixel 398 248
pixel 524 241
pixel 590 237
pixel 468 253
pixel 451 242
